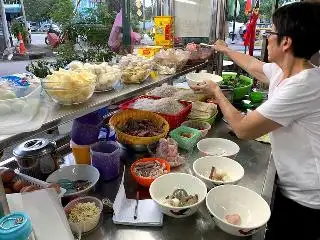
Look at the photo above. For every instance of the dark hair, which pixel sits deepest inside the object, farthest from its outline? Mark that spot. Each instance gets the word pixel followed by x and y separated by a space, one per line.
pixel 301 22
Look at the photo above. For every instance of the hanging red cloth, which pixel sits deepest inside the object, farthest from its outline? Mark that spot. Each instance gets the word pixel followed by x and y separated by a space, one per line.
pixel 250 35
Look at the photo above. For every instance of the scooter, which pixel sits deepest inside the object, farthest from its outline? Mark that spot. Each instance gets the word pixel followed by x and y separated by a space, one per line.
pixel 54 37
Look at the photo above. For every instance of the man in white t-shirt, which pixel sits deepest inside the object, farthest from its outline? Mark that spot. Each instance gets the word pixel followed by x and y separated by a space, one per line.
pixel 291 115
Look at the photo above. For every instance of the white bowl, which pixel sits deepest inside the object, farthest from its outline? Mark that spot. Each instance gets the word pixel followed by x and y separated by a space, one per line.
pixel 74 173
pixel 218 147
pixel 198 78
pixel 254 211
pixel 168 183
pixel 85 226
pixel 202 168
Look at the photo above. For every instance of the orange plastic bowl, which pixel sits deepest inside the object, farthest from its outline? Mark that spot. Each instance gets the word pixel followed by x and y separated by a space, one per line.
pixel 144 181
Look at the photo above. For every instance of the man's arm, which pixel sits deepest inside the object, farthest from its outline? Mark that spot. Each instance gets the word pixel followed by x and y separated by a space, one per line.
pixel 251 126
pixel 248 63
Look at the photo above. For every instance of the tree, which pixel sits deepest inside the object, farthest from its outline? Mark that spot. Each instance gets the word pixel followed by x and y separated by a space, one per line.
pixel 266 8
pixel 62 12
pixel 38 10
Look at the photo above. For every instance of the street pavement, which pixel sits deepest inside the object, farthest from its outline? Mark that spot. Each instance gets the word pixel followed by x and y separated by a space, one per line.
pixel 38 44
pixel 38 39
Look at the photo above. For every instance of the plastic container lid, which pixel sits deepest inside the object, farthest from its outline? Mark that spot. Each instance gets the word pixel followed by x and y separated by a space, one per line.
pixel 16 225
pixel 34 147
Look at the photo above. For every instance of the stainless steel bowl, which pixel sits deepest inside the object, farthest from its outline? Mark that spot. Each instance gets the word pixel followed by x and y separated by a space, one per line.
pixel 135 147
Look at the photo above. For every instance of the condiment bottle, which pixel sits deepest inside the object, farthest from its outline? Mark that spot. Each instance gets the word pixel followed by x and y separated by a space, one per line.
pixel 17 226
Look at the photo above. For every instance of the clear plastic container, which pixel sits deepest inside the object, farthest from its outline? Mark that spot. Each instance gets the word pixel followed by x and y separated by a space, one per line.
pixel 20 109
pixel 81 153
pixel 85 226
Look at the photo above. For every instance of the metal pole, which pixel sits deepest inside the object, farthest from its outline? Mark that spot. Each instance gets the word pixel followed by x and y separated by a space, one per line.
pixel 218 29
pixel 144 14
pixel 5 25
pixel 159 8
pixel 234 19
pixel 126 38
pixel 24 18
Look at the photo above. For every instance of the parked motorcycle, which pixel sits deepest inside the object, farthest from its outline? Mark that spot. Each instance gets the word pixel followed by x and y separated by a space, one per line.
pixel 54 36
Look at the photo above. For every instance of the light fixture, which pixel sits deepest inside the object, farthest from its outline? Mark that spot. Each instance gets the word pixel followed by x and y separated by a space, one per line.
pixel 187 1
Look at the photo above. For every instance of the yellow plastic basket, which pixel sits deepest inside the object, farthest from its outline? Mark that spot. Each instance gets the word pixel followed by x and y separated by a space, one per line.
pixel 121 118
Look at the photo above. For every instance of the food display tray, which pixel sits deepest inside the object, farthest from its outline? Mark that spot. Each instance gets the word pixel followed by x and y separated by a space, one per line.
pixel 173 120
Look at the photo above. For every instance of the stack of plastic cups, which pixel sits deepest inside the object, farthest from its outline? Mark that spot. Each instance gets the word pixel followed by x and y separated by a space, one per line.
pixel 85 131
pixel 105 156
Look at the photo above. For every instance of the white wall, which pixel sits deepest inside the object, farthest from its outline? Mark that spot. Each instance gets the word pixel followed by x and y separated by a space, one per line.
pixel 192 18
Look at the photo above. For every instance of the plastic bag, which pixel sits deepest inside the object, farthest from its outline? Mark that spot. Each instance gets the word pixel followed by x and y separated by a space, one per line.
pixel 115 37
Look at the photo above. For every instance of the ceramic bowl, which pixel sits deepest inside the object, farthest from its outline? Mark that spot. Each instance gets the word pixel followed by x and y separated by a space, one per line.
pixel 218 147
pixel 202 168
pixel 167 184
pixel 74 173
pixel 253 210
pixel 194 79
pixel 84 226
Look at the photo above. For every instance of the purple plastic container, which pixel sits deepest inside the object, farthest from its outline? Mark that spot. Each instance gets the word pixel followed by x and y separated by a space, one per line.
pixel 85 130
pixel 105 156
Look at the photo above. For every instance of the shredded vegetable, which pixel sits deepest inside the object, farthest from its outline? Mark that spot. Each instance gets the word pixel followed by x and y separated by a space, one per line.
pixel 83 212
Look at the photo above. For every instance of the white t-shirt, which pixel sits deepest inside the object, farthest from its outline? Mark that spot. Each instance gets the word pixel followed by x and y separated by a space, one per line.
pixel 294 103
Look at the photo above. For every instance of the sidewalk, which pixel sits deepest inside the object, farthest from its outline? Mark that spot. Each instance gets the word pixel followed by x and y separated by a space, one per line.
pixel 35 52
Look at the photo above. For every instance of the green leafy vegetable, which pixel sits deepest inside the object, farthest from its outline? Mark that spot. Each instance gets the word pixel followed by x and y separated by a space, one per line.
pixel 229 80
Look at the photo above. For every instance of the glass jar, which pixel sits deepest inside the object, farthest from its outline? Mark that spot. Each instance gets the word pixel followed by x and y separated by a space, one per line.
pixel 16 225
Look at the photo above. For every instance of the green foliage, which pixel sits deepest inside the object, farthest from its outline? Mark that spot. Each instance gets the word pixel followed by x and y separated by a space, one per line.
pixel 266 8
pixel 40 69
pixel 67 53
pixel 62 12
pixel 93 26
pixel 38 10
pixel 134 18
pixel 241 17
pixel 101 14
pixel 148 13
pixel 17 27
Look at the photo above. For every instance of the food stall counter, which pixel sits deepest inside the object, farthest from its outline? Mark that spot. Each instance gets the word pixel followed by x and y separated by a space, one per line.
pixel 256 159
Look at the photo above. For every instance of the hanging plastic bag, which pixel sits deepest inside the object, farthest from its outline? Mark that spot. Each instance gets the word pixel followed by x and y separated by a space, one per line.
pixel 115 38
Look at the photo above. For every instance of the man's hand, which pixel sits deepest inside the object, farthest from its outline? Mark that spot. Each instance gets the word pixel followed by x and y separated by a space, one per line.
pixel 220 46
pixel 209 88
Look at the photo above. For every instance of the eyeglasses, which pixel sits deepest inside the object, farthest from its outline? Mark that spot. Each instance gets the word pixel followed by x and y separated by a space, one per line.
pixel 267 34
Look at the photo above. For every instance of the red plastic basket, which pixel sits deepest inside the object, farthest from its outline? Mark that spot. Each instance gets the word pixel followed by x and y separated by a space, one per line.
pixel 173 120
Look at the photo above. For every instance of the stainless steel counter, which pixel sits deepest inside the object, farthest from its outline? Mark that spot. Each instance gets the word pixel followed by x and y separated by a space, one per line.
pixel 60 114
pixel 259 176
